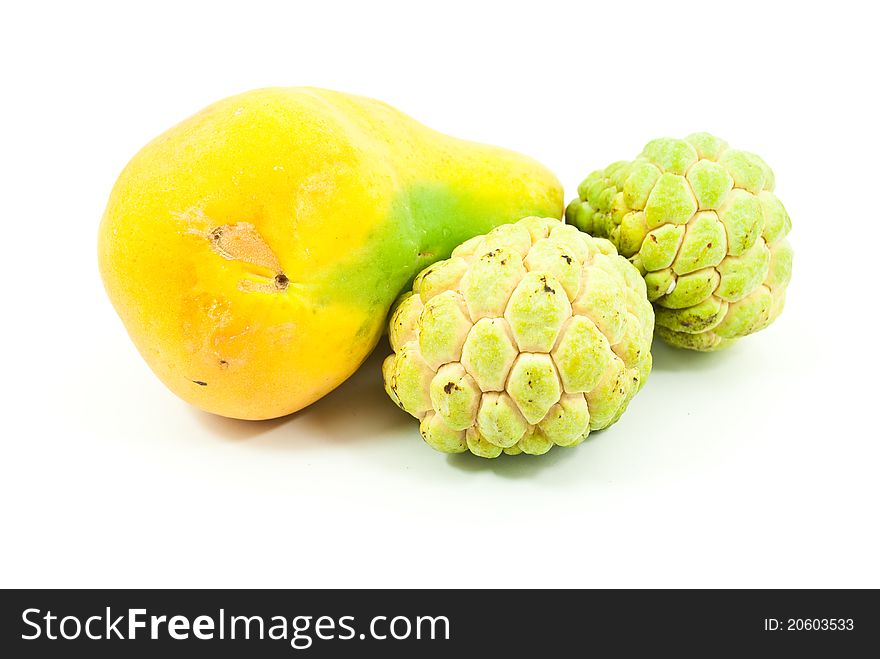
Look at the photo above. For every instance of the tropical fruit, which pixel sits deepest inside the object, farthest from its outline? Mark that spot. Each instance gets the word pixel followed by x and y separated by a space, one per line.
pixel 701 223
pixel 253 250
pixel 528 337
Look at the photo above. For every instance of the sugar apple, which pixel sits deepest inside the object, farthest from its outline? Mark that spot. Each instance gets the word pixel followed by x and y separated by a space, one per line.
pixel 701 223
pixel 529 336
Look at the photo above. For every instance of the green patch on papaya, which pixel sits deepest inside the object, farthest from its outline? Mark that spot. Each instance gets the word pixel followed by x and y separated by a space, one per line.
pixel 424 223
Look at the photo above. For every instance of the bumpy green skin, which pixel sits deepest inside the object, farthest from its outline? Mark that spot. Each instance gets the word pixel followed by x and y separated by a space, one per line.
pixel 529 336
pixel 701 223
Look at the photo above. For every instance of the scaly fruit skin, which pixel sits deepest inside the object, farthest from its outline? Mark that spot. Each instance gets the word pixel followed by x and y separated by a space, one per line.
pixel 253 251
pixel 701 223
pixel 529 336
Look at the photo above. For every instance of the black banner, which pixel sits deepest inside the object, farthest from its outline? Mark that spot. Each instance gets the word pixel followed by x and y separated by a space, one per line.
pixel 319 623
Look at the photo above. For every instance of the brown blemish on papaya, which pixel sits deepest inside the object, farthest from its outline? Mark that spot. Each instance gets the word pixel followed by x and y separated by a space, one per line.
pixel 201 383
pixel 242 242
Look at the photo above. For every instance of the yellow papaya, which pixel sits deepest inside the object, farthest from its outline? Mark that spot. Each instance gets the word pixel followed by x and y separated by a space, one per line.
pixel 253 250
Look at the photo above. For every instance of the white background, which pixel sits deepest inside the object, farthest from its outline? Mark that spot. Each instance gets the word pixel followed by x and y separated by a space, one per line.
pixel 752 467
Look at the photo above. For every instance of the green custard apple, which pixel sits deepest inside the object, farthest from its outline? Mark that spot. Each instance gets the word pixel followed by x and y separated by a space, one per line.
pixel 701 223
pixel 529 336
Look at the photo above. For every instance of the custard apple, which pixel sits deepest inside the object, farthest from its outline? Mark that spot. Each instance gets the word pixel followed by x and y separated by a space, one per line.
pixel 701 223
pixel 529 336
